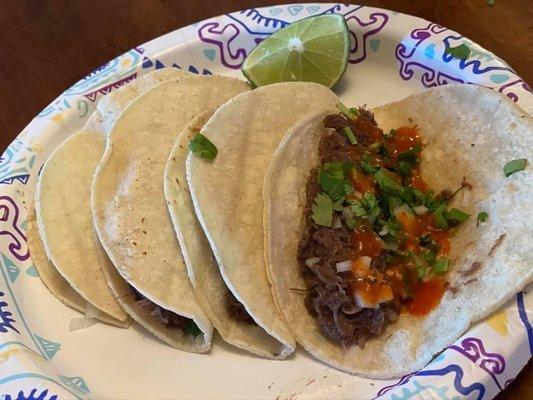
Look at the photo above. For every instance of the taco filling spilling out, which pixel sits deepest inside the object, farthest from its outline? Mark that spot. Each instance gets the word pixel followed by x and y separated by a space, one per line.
pixel 167 318
pixel 376 241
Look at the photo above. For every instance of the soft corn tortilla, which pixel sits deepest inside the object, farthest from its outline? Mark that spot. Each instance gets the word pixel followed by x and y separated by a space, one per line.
pixel 111 105
pixel 63 192
pixel 208 285
pixel 226 192
pixel 128 202
pixel 476 131
pixel 56 284
pixel 79 256
pixel 52 279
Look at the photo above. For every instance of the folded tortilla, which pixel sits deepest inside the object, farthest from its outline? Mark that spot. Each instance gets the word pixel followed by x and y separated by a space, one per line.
pixel 111 105
pixel 207 282
pixel 66 228
pixel 63 192
pixel 128 202
pixel 471 132
pixel 226 193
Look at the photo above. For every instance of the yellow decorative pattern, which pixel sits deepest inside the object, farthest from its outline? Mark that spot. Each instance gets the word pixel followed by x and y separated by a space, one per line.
pixel 498 322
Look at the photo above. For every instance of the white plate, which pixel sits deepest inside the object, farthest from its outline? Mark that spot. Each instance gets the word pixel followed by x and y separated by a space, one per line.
pixel 392 56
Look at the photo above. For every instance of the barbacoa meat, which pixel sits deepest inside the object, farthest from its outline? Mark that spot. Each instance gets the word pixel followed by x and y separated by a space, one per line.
pixel 168 318
pixel 236 309
pixel 328 296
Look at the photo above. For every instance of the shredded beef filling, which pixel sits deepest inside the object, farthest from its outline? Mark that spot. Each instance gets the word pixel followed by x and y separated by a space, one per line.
pixel 329 296
pixel 236 309
pixel 166 317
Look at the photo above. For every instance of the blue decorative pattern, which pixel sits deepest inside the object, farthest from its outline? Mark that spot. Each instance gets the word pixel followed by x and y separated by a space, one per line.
pixel 7 322
pixel 32 395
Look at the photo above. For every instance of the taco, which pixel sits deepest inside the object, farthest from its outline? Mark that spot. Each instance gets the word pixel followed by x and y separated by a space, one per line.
pixel 76 266
pixel 388 233
pixel 130 213
pixel 226 193
pixel 63 189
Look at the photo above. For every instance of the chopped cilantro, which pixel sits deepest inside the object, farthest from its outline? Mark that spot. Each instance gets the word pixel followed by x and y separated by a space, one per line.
pixel 357 208
pixel 386 182
pixel 350 221
pixel 332 179
pixel 421 271
pixel 322 209
pixel 349 134
pixel 429 257
pixel 457 215
pixel 514 166
pixel 462 52
pixel 405 168
pixel 367 167
pixel 349 113
pixel 410 155
pixel 337 205
pixel 367 207
pixel 440 217
pixel 371 205
pixel 192 329
pixel 441 265
pixel 202 147
pixel 481 217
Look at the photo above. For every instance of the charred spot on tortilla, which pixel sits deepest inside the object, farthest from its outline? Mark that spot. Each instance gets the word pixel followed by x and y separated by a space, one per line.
pixel 472 269
pixel 376 238
pixel 167 318
pixel 202 147
pixel 497 243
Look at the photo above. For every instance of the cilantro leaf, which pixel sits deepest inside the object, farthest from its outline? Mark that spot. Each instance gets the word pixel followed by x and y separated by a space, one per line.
pixel 481 217
pixel 371 205
pixel 440 217
pixel 405 168
pixel 441 265
pixel 357 208
pixel 322 210
pixel 332 179
pixel 337 205
pixel 462 52
pixel 386 182
pixel 457 215
pixel 514 166
pixel 411 155
pixel 202 147
pixel 429 257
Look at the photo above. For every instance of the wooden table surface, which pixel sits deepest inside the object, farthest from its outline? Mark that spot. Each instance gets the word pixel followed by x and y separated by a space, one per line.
pixel 47 45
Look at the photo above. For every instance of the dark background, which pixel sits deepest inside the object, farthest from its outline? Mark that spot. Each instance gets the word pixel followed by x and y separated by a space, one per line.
pixel 47 45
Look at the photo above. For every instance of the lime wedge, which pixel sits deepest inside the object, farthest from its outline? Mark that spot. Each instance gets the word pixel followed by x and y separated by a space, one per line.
pixel 313 49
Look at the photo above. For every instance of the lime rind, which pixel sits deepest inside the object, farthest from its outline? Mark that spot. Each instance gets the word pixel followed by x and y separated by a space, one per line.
pixel 314 49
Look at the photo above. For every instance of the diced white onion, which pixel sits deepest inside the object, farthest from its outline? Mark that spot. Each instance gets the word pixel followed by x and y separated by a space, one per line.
pixel 311 261
pixel 420 210
pixel 344 266
pixel 383 230
pixel 337 223
pixel 403 210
